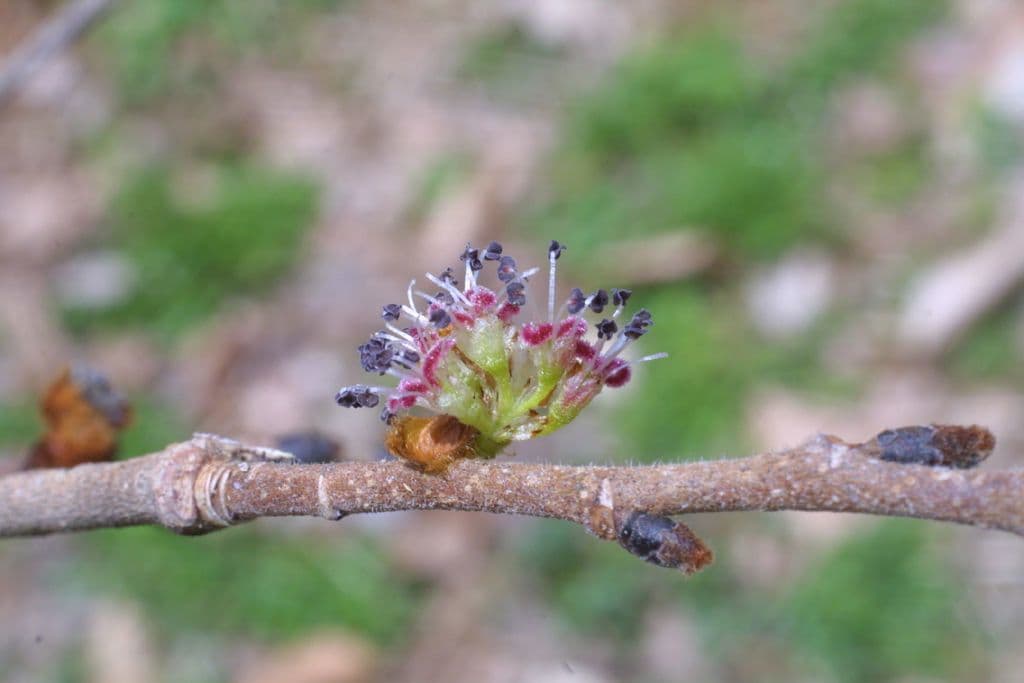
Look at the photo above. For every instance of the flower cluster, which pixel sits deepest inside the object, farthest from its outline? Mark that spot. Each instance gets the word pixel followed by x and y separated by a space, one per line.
pixel 472 354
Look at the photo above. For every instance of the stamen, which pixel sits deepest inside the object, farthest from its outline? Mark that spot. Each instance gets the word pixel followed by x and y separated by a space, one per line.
pixel 621 342
pixel 516 293
pixel 448 276
pixel 606 329
pixel 554 251
pixel 576 302
pixel 598 300
pixel 449 287
pixel 439 318
pixel 493 251
pixel 400 334
pixel 471 257
pixel 619 298
pixel 391 312
pixel 507 269
pixel 414 315
pixel 359 396
pixel 413 374
pixel 412 302
pixel 653 356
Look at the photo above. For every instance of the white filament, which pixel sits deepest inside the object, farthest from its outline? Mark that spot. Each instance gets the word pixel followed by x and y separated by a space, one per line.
pixel 551 286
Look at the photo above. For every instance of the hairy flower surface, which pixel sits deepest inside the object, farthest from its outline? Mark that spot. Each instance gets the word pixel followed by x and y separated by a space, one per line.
pixel 473 354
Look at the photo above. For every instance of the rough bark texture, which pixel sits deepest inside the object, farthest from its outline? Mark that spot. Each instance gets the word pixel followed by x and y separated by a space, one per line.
pixel 210 482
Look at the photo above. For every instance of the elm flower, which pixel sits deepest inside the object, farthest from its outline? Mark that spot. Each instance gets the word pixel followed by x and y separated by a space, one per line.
pixel 475 372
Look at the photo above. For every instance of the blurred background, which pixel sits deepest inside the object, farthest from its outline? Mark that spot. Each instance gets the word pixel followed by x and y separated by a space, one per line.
pixel 822 203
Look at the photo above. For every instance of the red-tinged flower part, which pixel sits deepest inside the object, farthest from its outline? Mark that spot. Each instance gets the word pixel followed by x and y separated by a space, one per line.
pixel 535 334
pixel 507 311
pixel 571 327
pixel 482 299
pixel 413 386
pixel 396 403
pixel 433 359
pixel 469 357
pixel 585 351
pixel 617 373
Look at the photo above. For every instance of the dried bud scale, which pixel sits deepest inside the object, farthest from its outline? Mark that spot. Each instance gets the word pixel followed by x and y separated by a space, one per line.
pixel 487 371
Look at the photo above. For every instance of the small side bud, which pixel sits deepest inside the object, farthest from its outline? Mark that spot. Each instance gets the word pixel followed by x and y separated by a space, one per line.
pixel 664 542
pixel 934 445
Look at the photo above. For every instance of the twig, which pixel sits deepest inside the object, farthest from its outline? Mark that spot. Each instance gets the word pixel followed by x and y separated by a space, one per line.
pixel 209 482
pixel 53 37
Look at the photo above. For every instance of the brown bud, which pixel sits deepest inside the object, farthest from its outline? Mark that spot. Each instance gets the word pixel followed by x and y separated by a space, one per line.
pixel 433 443
pixel 83 416
pixel 934 445
pixel 664 542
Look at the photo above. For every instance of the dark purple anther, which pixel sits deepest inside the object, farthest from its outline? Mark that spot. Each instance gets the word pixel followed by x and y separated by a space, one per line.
pixel 391 312
pixel 555 249
pixel 577 301
pixel 507 269
pixel 621 296
pixel 493 252
pixel 376 355
pixel 449 277
pixel 516 293
pixel 598 300
pixel 367 399
pixel 356 396
pixel 606 329
pixel 472 257
pixel 346 398
pixel 439 318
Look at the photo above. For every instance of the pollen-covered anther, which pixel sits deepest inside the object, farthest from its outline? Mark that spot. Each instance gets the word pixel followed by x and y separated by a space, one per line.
pixel 577 301
pixel 606 329
pixel 448 276
pixel 637 327
pixel 376 355
pixel 439 317
pixel 391 312
pixel 598 300
pixel 516 293
pixel 507 269
pixel 471 257
pixel 493 252
pixel 357 396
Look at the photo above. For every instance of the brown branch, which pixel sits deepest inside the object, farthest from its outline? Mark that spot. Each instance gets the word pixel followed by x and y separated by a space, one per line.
pixel 209 483
pixel 55 35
